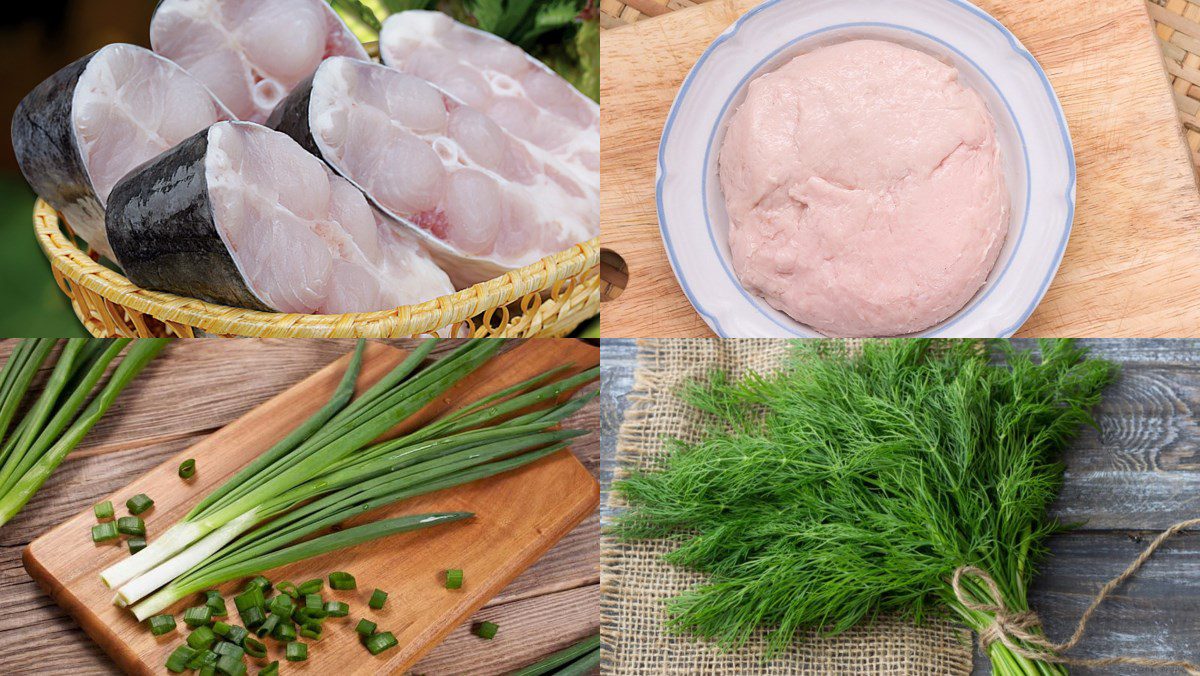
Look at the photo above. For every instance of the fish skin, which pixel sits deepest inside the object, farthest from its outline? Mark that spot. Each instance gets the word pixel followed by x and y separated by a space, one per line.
pixel 162 204
pixel 47 150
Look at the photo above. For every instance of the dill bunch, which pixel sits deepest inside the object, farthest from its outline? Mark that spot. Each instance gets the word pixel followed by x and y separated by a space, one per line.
pixel 853 484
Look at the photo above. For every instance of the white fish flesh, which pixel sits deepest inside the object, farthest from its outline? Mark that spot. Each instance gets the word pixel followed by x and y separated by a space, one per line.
pixel 519 93
pixel 242 215
pixel 83 129
pixel 485 201
pixel 251 53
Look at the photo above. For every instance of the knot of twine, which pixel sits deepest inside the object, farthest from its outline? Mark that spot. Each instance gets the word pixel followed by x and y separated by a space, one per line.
pixel 1019 631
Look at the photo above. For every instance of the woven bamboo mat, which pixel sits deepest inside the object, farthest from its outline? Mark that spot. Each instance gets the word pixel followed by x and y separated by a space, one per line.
pixel 1177 23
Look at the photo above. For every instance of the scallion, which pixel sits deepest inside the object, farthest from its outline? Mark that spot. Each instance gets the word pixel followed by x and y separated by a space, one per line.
pixel 378 598
pixel 281 605
pixel 131 525
pixel 104 532
pixel 365 627
pixel 139 503
pixel 288 588
pixel 284 632
pixel 230 648
pixel 201 637
pixel 267 625
pixel 253 616
pixel 214 600
pixel 197 615
pixel 187 469
pixel 562 658
pixel 251 598
pixel 136 544
pixel 380 642
pixel 271 669
pixel 342 581
pixel 104 510
pixel 255 648
pixel 486 630
pixel 230 665
pixel 178 660
pixel 312 630
pixel 296 652
pixel 313 586
pixel 221 628
pixel 337 609
pixel 263 584
pixel 161 624
pixel 454 578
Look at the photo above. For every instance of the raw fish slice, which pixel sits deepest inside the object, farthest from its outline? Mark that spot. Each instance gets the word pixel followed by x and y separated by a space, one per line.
pixel 484 200
pixel 520 93
pixel 241 215
pixel 87 126
pixel 251 53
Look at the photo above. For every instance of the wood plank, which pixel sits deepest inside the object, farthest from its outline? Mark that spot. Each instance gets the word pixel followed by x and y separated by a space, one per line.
pixel 1130 267
pixel 35 632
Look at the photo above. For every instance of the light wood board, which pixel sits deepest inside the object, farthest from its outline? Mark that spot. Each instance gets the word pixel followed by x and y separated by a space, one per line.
pixel 1133 264
pixel 519 516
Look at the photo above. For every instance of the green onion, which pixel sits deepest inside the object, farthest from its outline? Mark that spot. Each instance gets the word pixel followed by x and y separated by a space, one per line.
pixel 284 632
pixel 312 630
pixel 139 503
pixel 202 637
pixel 296 652
pixel 281 605
pixel 312 586
pixel 267 625
pixel 454 578
pixel 378 598
pixel 136 544
pixel 62 415
pixel 380 642
pixel 255 648
pixel 251 598
pixel 365 627
pixel 221 628
pixel 196 616
pixel 271 669
pixel 230 665
pixel 586 664
pixel 104 532
pixel 214 600
pixel 228 648
pixel 342 581
pixel 562 658
pixel 187 469
pixel 253 616
pixel 237 635
pixel 178 660
pixel 337 609
pixel 486 630
pixel 104 510
pixel 288 588
pixel 202 657
pixel 161 624
pixel 131 525
pixel 263 584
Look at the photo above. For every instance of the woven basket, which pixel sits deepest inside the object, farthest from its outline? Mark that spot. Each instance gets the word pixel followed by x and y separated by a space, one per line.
pixel 1177 23
pixel 547 299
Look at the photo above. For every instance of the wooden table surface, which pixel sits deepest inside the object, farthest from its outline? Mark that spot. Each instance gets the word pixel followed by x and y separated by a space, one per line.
pixel 1136 475
pixel 194 388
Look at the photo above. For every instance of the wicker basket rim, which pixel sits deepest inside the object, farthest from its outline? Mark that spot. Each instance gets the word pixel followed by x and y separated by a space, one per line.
pixel 80 268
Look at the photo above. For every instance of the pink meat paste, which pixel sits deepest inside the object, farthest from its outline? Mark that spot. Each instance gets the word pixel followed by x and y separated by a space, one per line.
pixel 865 190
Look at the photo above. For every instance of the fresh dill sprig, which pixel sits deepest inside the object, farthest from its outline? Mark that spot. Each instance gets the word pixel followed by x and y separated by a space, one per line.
pixel 853 484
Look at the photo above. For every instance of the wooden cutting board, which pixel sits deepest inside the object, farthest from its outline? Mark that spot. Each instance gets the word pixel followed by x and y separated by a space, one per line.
pixel 1133 264
pixel 519 516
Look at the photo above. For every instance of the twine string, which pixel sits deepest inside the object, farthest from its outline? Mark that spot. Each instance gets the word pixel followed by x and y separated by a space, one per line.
pixel 1019 631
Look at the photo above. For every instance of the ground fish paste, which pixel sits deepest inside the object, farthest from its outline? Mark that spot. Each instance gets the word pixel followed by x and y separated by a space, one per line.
pixel 251 53
pixel 82 130
pixel 486 201
pixel 241 215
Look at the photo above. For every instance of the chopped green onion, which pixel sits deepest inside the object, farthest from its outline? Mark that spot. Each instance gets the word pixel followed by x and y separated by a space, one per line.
pixel 131 525
pixel 342 581
pixel 296 652
pixel 230 665
pixel 221 628
pixel 380 642
pixel 237 635
pixel 253 616
pixel 202 658
pixel 251 598
pixel 288 588
pixel 365 627
pixel 313 601
pixel 267 626
pixel 284 632
pixel 337 609
pixel 187 469
pixel 378 598
pixel 208 670
pixel 454 578
pixel 271 669
pixel 139 503
pixel 281 605
pixel 486 630
pixel 263 584
pixel 201 638
pixel 104 532
pixel 214 600
pixel 104 510
pixel 312 586
pixel 136 544
pixel 312 630
pixel 227 648
pixel 161 624
pixel 197 615
pixel 177 662
pixel 255 648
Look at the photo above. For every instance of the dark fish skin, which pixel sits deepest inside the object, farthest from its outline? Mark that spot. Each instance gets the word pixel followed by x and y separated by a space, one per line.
pixel 161 226
pixel 43 138
pixel 291 118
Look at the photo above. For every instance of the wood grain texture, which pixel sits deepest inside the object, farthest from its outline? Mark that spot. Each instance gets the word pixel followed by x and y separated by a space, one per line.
pixel 31 626
pixel 1130 268
pixel 1126 481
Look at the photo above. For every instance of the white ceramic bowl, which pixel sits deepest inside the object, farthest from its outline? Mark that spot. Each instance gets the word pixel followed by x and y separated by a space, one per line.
pixel 1039 163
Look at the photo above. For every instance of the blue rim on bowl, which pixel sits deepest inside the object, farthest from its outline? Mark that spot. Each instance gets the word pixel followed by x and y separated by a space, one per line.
pixel 1033 290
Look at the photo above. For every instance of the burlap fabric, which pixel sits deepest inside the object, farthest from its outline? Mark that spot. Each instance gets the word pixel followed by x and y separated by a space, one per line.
pixel 635 582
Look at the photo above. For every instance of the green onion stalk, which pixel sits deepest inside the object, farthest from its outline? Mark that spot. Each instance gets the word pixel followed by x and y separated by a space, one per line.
pixel 331 469
pixel 64 412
